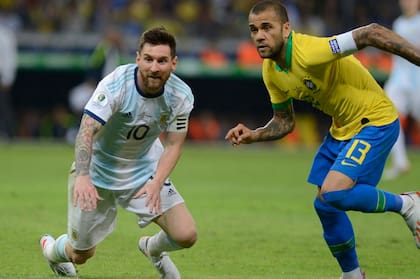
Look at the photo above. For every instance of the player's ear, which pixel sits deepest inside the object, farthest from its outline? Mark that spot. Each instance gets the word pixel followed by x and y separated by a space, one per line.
pixel 137 56
pixel 286 30
pixel 174 62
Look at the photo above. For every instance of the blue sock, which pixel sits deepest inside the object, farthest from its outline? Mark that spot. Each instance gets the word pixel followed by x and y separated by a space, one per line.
pixel 365 198
pixel 339 235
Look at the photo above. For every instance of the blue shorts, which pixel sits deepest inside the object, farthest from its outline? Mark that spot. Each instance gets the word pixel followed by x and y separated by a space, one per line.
pixel 361 158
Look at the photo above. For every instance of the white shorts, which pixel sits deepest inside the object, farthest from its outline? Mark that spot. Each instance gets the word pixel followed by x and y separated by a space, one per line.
pixel 87 229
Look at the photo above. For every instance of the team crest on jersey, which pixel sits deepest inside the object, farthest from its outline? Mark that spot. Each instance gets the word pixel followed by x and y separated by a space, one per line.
pixel 101 99
pixel 163 118
pixel 309 84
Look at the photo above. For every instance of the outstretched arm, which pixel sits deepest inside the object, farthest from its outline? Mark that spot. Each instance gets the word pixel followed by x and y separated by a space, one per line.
pixel 173 146
pixel 280 125
pixel 380 37
pixel 85 194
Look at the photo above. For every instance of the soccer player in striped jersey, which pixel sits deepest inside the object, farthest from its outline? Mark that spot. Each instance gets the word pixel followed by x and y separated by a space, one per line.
pixel 350 161
pixel 120 161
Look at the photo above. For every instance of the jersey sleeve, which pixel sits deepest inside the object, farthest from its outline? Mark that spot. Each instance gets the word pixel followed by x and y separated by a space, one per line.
pixel 321 50
pixel 184 106
pixel 277 96
pixel 100 104
pixel 179 124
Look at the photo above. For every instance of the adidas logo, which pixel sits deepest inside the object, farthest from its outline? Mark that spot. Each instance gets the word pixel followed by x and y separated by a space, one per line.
pixel 171 192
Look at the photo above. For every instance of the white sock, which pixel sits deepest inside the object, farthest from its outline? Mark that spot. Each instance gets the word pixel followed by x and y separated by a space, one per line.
pixel 354 274
pixel 161 242
pixel 56 251
pixel 407 203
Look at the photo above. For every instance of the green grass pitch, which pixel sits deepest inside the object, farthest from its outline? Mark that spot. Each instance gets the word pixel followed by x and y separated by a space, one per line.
pixel 252 206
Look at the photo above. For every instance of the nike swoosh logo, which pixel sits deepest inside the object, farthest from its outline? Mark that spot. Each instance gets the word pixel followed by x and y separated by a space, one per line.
pixel 345 163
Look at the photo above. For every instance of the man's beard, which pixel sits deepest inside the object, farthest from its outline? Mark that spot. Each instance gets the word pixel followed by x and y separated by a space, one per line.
pixel 274 53
pixel 153 86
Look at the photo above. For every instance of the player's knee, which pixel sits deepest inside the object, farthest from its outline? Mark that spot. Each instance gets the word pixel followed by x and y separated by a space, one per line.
pixel 337 198
pixel 323 208
pixel 187 239
pixel 81 256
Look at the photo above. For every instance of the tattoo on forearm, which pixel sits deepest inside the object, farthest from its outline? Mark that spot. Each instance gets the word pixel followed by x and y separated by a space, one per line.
pixel 83 145
pixel 279 126
pixel 382 38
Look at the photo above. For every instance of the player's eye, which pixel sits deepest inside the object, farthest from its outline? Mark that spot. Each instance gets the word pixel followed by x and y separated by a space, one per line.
pixel 267 27
pixel 162 61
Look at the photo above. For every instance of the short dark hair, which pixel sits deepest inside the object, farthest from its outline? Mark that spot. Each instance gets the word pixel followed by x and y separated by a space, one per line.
pixel 158 36
pixel 277 6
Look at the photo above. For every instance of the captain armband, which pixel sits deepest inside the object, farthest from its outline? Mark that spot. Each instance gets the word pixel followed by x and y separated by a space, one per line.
pixel 180 124
pixel 343 44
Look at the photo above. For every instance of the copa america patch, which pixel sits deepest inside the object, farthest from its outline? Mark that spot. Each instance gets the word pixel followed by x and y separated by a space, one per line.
pixel 335 48
pixel 100 99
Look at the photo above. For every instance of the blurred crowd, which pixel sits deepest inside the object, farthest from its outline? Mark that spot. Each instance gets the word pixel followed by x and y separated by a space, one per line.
pixel 204 18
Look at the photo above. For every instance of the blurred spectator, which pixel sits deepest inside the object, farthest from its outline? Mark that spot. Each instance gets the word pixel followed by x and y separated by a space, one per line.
pixel 61 121
pixel 8 66
pixel 204 127
pixel 9 16
pixel 56 123
pixel 78 97
pixel 227 16
pixel 247 56
pixel 187 11
pixel 30 123
pixel 107 54
pixel 403 85
pixel 213 57
pixel 331 17
pixel 310 21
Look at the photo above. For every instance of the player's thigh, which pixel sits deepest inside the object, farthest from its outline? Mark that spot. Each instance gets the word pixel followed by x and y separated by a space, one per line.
pixel 88 228
pixel 363 157
pixel 324 159
pixel 169 196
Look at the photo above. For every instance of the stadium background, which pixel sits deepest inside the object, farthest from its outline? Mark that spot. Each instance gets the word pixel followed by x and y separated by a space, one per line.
pixel 56 38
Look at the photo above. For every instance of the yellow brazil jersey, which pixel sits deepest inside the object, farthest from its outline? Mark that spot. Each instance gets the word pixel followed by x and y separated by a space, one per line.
pixel 336 84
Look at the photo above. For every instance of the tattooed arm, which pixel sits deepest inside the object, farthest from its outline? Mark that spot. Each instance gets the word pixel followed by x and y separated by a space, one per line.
pixel 382 38
pixel 282 123
pixel 83 146
pixel 85 195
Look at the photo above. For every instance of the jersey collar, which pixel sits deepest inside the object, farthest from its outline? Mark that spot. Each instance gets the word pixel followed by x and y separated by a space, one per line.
pixel 288 55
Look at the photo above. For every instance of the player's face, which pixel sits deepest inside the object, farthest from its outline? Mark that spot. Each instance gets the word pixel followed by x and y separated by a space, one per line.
pixel 268 33
pixel 155 65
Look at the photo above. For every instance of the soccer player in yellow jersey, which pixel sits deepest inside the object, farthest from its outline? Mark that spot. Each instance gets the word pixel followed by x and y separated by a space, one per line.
pixel 350 161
